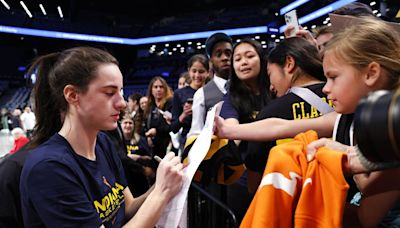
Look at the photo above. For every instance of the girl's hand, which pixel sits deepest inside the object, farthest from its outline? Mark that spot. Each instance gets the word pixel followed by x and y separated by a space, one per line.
pixel 134 157
pixel 167 116
pixel 352 166
pixel 151 133
pixel 220 127
pixel 323 142
pixel 187 111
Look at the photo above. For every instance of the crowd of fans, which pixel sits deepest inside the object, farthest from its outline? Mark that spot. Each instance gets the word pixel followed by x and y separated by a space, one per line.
pixel 307 82
pixel 20 125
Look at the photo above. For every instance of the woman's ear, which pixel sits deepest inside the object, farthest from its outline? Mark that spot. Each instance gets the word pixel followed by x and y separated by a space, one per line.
pixel 373 74
pixel 290 64
pixel 70 94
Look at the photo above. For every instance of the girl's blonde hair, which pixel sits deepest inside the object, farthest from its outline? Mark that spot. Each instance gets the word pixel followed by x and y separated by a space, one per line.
pixel 371 40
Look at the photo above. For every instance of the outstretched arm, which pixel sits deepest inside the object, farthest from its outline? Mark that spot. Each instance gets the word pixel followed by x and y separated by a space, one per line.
pixel 275 128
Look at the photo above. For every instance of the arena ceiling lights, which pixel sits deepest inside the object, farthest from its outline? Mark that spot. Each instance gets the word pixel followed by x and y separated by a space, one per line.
pixel 5 4
pixel 127 41
pixel 169 38
pixel 291 6
pixel 28 12
pixel 323 11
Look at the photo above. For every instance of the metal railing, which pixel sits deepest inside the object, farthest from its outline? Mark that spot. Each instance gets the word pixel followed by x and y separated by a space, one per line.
pixel 206 210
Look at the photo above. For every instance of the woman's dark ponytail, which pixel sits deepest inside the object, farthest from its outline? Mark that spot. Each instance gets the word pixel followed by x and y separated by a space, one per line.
pixel 305 54
pixel 47 112
pixel 76 67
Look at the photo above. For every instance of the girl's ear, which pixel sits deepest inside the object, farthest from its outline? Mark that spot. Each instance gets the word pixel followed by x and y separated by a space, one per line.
pixel 70 94
pixel 290 64
pixel 373 74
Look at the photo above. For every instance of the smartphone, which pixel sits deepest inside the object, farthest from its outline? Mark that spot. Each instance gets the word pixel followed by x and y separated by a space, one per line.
pixel 161 111
pixel 291 19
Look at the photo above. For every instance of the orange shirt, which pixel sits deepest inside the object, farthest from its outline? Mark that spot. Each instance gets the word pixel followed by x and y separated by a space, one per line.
pixel 295 192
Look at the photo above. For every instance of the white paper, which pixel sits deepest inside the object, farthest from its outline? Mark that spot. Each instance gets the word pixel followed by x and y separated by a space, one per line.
pixel 175 212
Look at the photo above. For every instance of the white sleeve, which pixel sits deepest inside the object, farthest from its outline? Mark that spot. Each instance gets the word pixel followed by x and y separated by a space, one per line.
pixel 198 112
pixel 22 117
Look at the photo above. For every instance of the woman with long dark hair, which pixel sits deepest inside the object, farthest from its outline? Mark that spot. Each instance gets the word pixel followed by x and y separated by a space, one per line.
pixel 246 96
pixel 158 115
pixel 248 86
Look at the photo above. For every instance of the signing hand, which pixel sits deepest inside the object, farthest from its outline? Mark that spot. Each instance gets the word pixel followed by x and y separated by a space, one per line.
pixel 169 177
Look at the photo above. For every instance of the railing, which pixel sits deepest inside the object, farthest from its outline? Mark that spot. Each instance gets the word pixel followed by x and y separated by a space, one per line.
pixel 206 210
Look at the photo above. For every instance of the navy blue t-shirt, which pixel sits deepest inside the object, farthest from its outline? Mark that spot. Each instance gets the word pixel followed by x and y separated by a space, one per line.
pixel 140 148
pixel 229 111
pixel 62 189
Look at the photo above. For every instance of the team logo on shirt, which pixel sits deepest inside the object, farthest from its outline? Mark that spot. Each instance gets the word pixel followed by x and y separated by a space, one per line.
pixel 299 111
pixel 254 115
pixel 279 181
pixel 132 149
pixel 108 206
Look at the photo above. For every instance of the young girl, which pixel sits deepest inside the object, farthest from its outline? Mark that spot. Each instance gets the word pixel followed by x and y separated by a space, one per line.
pixel 184 80
pixel 140 117
pixel 73 176
pixel 183 98
pixel 138 165
pixel 355 66
pixel 361 59
pixel 136 144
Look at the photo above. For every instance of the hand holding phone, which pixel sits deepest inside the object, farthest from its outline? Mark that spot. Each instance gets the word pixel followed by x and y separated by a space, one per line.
pixel 291 19
pixel 167 115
